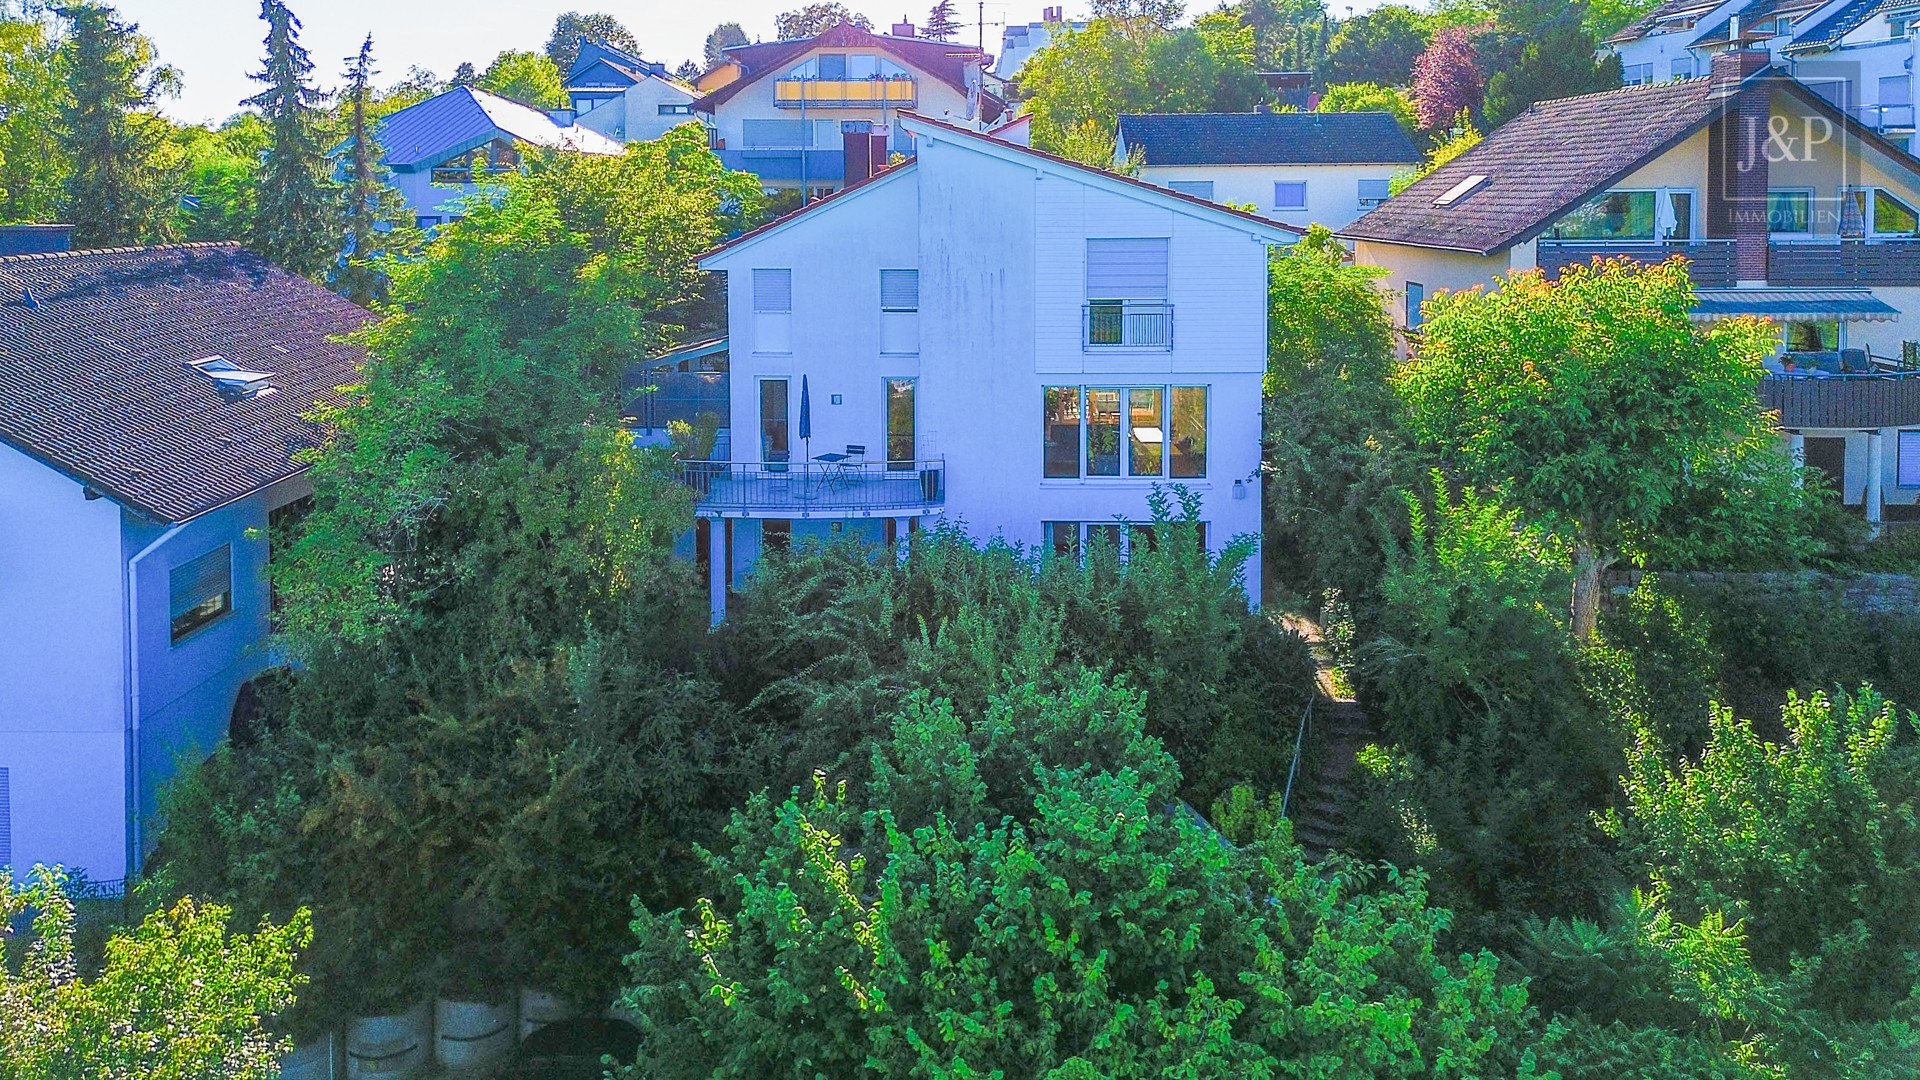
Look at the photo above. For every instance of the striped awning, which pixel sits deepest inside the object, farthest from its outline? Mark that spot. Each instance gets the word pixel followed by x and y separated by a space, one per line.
pixel 1845 305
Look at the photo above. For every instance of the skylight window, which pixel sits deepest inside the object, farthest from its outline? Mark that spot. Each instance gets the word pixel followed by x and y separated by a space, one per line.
pixel 1461 190
pixel 234 382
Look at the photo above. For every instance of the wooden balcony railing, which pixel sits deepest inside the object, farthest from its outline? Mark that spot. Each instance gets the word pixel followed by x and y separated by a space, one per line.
pixel 1710 261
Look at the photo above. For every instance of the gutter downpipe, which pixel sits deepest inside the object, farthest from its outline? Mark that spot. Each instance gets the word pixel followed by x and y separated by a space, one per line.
pixel 135 841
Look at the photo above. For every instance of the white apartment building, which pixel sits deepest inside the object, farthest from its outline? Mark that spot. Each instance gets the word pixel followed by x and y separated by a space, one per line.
pixel 993 336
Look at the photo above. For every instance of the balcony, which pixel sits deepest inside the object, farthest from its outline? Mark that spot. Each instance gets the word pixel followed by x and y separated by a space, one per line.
pixel 1843 263
pixel 801 489
pixel 1884 399
pixel 1127 324
pixel 897 92
pixel 1711 260
pixel 1881 117
pixel 816 167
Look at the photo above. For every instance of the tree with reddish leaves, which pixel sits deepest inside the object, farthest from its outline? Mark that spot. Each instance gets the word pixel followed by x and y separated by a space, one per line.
pixel 1447 79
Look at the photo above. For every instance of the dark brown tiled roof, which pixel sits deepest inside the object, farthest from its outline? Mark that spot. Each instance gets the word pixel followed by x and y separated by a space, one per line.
pixel 95 382
pixel 1538 165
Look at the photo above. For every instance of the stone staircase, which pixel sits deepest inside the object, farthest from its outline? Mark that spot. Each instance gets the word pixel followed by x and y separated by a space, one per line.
pixel 1339 728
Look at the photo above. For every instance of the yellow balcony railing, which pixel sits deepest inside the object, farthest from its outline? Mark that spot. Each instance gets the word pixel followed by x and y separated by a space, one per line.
pixel 844 93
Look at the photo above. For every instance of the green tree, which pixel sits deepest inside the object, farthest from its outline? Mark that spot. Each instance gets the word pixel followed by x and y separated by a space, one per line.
pixel 1464 138
pixel 1556 60
pixel 723 36
pixel 527 77
pixel 119 191
pixel 1377 47
pixel 1289 35
pixel 294 198
pixel 570 28
pixel 33 97
pixel 1370 97
pixel 941 22
pixel 1605 18
pixel 378 223
pixel 1594 403
pixel 815 19
pixel 219 177
pixel 1077 87
pixel 178 998
pixel 1016 893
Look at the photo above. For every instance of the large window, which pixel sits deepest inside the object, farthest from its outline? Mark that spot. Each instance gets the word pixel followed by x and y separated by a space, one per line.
pixel 774 447
pixel 1071 539
pixel 1159 430
pixel 1614 215
pixel 1789 211
pixel 201 591
pixel 900 426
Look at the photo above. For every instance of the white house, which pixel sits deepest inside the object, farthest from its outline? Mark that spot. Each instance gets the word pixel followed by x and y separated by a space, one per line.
pixel 1858 54
pixel 623 97
pixel 151 403
pixel 1019 42
pixel 434 148
pixel 1300 168
pixel 1822 238
pixel 994 336
pixel 783 110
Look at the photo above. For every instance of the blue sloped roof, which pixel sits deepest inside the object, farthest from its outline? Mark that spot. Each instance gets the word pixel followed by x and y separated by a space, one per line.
pixel 1315 138
pixel 465 117
pixel 1830 30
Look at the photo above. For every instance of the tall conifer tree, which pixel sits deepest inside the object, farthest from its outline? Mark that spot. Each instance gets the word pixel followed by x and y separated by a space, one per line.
pixel 295 220
pixel 118 193
pixel 377 223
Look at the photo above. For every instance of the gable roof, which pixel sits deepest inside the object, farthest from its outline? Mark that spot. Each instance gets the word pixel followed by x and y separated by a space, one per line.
pixel 1271 138
pixel 1538 165
pixel 429 132
pixel 941 60
pixel 1843 21
pixel 1645 24
pixel 95 378
pixel 987 141
pixel 1751 17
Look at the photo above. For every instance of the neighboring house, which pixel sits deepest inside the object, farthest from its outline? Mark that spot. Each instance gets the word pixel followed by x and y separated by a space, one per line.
pixel 1858 54
pixel 785 110
pixel 994 336
pixel 1824 239
pixel 151 404
pixel 1019 43
pixel 623 97
pixel 435 148
pixel 1304 168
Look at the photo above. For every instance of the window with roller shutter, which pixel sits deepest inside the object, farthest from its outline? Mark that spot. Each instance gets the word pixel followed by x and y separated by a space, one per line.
pixel 201 592
pixel 1127 294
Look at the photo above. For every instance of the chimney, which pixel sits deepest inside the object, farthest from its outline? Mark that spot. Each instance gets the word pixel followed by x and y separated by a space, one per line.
pixel 903 28
pixel 1050 15
pixel 1737 161
pixel 561 117
pixel 34 239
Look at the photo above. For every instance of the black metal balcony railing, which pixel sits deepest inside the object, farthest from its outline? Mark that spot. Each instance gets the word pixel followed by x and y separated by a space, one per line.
pixel 1127 324
pixel 803 488
pixel 1887 399
pixel 1843 263
pixel 1711 261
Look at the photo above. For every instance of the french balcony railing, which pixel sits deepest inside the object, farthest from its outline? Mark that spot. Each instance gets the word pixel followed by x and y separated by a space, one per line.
pixel 1880 117
pixel 897 92
pixel 1710 262
pixel 817 488
pixel 1127 324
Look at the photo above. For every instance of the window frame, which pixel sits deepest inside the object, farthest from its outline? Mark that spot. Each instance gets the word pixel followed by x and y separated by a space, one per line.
pixel 1874 228
pixel 1291 208
pixel 219 606
pixel 1182 187
pixel 1653 229
pixel 1124 469
pixel 1416 294
pixel 1367 202
pixel 887 384
pixel 1805 193
pixel 1902 437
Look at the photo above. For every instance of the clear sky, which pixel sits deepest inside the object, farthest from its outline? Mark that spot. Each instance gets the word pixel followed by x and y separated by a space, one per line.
pixel 215 43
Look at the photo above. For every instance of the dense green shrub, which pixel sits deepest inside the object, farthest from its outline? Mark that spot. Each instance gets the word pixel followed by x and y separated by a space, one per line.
pixel 1013 895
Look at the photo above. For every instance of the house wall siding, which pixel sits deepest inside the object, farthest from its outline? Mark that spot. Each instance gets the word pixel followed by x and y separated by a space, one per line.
pixel 62 684
pixel 1333 191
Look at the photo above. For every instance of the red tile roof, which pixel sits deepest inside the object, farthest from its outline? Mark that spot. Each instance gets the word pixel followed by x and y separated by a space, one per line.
pixel 943 60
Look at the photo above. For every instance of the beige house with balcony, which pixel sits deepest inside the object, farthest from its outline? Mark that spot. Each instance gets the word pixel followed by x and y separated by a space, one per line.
pixel 784 110
pixel 1786 207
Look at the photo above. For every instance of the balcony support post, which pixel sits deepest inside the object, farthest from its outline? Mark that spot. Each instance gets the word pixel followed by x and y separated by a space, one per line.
pixel 719 566
pixel 1797 453
pixel 1876 464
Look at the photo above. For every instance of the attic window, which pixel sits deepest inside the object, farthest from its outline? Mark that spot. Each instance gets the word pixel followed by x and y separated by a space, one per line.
pixel 234 382
pixel 1461 190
